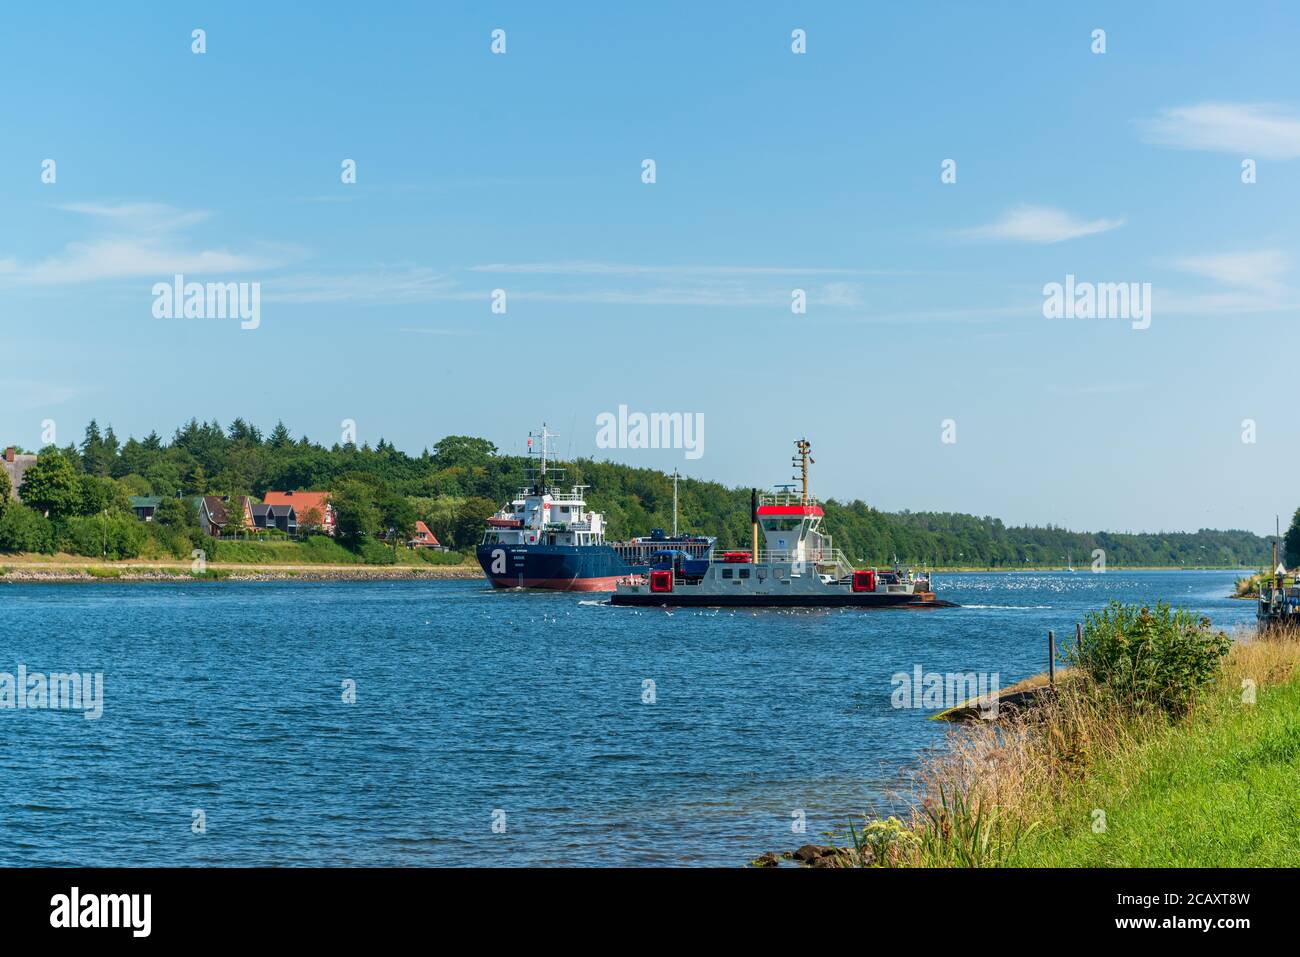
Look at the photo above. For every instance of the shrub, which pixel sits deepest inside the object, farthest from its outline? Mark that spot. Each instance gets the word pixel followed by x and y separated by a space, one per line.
pixel 25 530
pixel 885 843
pixel 375 553
pixel 112 536
pixel 435 557
pixel 1147 657
pixel 177 542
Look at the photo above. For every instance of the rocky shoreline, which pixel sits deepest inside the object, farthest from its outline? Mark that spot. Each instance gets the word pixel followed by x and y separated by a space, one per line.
pixel 144 573
pixel 815 855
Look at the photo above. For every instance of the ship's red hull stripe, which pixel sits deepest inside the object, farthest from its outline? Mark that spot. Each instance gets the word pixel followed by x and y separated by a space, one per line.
pixel 558 584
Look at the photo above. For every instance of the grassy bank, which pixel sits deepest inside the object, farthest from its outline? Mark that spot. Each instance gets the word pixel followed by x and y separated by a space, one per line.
pixel 1168 747
pixel 321 550
pixel 314 551
pixel 245 567
pixel 1103 776
pixel 1217 791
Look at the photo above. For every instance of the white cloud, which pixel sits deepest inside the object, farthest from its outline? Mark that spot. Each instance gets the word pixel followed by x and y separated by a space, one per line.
pixel 1261 269
pixel 457 333
pixel 129 258
pixel 26 394
pixel 137 243
pixel 1256 130
pixel 140 217
pixel 396 285
pixel 625 269
pixel 838 294
pixel 1227 303
pixel 1039 224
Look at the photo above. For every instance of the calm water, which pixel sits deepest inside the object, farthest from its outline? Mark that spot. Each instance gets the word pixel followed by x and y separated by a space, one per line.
pixel 228 698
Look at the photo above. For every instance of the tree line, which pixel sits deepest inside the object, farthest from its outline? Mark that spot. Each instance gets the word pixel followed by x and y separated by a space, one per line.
pixel 76 498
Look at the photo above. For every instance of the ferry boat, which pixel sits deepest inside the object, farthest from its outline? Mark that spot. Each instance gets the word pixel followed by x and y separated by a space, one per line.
pixel 796 567
pixel 547 538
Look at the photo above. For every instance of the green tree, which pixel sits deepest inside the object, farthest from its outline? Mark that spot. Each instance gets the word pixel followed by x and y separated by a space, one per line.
pixel 100 494
pixel 462 451
pixel 177 513
pixel 164 478
pixel 6 489
pixel 51 486
pixel 280 437
pixel 471 517
pixel 356 516
pixel 237 522
pixel 397 515
pixel 1291 542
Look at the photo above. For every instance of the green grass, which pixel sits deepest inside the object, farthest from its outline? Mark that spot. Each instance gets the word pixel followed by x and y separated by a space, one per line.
pixel 1215 791
pixel 322 550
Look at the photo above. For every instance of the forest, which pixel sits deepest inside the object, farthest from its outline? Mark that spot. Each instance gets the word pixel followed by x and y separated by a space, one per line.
pixel 76 498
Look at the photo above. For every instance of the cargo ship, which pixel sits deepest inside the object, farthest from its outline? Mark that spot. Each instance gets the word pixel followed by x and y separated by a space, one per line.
pixel 547 538
pixel 796 567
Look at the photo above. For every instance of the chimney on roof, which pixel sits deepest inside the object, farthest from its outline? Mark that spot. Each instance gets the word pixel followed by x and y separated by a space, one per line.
pixel 9 454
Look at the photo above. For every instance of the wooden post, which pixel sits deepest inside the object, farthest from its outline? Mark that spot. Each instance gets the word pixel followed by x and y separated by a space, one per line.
pixel 1051 660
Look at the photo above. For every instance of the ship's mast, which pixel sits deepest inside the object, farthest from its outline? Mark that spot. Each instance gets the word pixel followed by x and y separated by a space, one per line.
pixel 805 459
pixel 539 481
pixel 544 438
pixel 675 476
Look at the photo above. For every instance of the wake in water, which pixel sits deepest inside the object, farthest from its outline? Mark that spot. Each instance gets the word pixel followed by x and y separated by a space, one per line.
pixel 1010 607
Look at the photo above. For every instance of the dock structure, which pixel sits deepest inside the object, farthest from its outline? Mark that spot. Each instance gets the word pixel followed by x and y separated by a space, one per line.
pixel 1279 603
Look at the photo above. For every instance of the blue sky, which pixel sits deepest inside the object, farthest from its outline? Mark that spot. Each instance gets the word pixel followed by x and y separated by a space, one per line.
pixel 774 171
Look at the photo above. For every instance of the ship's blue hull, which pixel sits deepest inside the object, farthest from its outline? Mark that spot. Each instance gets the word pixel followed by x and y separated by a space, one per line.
pixel 558 567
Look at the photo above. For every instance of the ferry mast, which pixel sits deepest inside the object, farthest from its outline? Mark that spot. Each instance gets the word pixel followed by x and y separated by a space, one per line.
pixel 804 448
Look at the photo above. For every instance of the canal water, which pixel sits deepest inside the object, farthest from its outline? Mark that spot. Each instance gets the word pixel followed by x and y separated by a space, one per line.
pixel 441 723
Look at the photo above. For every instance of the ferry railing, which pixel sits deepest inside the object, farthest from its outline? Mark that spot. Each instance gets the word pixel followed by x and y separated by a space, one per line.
pixel 811 556
pixel 785 498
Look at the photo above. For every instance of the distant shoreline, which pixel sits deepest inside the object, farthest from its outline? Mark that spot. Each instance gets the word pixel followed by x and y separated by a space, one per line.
pixel 1089 571
pixel 25 570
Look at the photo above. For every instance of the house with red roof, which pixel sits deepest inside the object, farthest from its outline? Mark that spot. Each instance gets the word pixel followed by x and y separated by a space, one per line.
pixel 306 505
pixel 425 538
